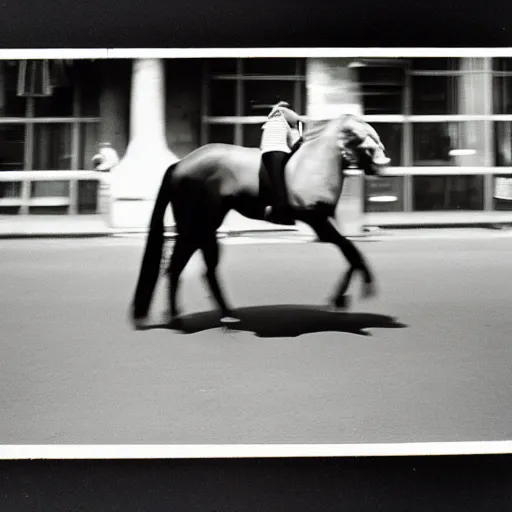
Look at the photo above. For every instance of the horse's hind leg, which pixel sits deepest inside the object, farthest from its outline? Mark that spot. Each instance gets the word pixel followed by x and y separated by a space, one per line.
pixel 328 232
pixel 211 254
pixel 183 250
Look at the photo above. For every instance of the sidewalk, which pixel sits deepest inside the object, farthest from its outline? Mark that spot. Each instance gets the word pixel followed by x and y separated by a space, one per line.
pixel 74 226
pixel 64 226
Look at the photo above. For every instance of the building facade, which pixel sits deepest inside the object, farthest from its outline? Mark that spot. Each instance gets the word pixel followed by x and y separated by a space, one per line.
pixel 446 124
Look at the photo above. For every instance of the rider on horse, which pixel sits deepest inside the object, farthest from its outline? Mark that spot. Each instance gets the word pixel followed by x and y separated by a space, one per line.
pixel 281 135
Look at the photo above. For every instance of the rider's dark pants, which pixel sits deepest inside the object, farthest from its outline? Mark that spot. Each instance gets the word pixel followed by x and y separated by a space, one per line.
pixel 274 162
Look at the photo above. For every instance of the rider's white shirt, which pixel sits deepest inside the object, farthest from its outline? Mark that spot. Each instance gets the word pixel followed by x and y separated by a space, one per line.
pixel 277 134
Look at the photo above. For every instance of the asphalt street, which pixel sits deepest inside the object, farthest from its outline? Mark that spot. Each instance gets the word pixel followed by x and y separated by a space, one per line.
pixel 429 359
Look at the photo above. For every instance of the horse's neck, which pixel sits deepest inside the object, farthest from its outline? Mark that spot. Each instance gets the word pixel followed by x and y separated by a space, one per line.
pixel 320 152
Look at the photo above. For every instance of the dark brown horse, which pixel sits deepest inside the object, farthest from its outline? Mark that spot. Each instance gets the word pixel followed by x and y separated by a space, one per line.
pixel 216 178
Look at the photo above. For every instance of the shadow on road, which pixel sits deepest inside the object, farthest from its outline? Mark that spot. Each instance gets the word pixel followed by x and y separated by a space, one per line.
pixel 286 321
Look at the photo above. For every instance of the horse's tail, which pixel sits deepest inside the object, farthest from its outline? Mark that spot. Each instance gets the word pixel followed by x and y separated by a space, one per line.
pixel 150 268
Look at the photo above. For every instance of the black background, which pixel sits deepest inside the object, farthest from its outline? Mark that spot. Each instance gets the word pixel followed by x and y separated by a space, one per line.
pixel 261 23
pixel 439 483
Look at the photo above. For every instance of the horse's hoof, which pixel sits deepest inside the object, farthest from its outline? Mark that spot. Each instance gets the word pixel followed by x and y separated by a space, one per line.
pixel 342 302
pixel 139 323
pixel 369 290
pixel 175 322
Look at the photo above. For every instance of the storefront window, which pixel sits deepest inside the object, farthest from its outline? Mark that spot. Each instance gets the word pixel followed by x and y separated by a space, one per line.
pixel 88 144
pixel 257 84
pixel 435 95
pixel 10 189
pixel 49 189
pixel 260 95
pixel 251 135
pixel 433 142
pixel 221 133
pixel 447 144
pixel 222 66
pixel 382 89
pixel 384 194
pixel 502 95
pixel 502 86
pixel 11 105
pixel 59 104
pixel 503 144
pixel 12 147
pixel 88 196
pixel 435 64
pixel 262 66
pixel 52 147
pixel 434 91
pixel 222 98
pixel 431 193
pixel 88 80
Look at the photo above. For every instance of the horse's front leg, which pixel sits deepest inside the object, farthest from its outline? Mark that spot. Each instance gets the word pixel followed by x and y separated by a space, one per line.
pixel 327 232
pixel 183 250
pixel 211 254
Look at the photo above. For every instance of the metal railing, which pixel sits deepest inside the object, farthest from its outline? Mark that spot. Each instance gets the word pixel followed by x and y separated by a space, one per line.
pixel 26 199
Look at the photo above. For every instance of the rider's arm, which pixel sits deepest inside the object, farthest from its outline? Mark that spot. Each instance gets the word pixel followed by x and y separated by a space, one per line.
pixel 292 117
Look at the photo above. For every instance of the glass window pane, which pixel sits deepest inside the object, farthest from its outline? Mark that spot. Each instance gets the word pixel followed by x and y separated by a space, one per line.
pixel 502 64
pixel 503 144
pixel 221 133
pixel 435 95
pixel 251 135
pixel 89 81
pixel 10 189
pixel 11 105
pixel 59 104
pixel 88 196
pixel 391 136
pixel 88 145
pixel 431 193
pixel 435 64
pixel 222 66
pixel 434 144
pixel 12 147
pixel 269 66
pixel 48 210
pixel 381 89
pixel 90 99
pixel 260 96
pixel 222 98
pixel 9 210
pixel 49 189
pixel 52 147
pixel 502 94
pixel 384 194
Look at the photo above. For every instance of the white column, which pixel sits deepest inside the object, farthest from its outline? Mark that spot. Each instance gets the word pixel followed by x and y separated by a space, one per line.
pixel 333 90
pixel 472 102
pixel 136 180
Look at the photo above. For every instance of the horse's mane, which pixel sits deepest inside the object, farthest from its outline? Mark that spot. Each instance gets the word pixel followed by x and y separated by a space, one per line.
pixel 316 128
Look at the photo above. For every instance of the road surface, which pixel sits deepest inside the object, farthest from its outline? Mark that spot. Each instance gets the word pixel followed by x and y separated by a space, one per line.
pixel 429 359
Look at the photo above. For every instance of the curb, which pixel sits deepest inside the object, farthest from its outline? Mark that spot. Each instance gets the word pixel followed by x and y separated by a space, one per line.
pixel 140 233
pixel 368 236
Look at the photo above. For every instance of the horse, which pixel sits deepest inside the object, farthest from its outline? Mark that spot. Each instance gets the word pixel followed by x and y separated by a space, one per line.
pixel 215 178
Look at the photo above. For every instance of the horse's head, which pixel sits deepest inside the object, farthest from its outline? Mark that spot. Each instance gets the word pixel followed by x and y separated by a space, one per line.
pixel 361 146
